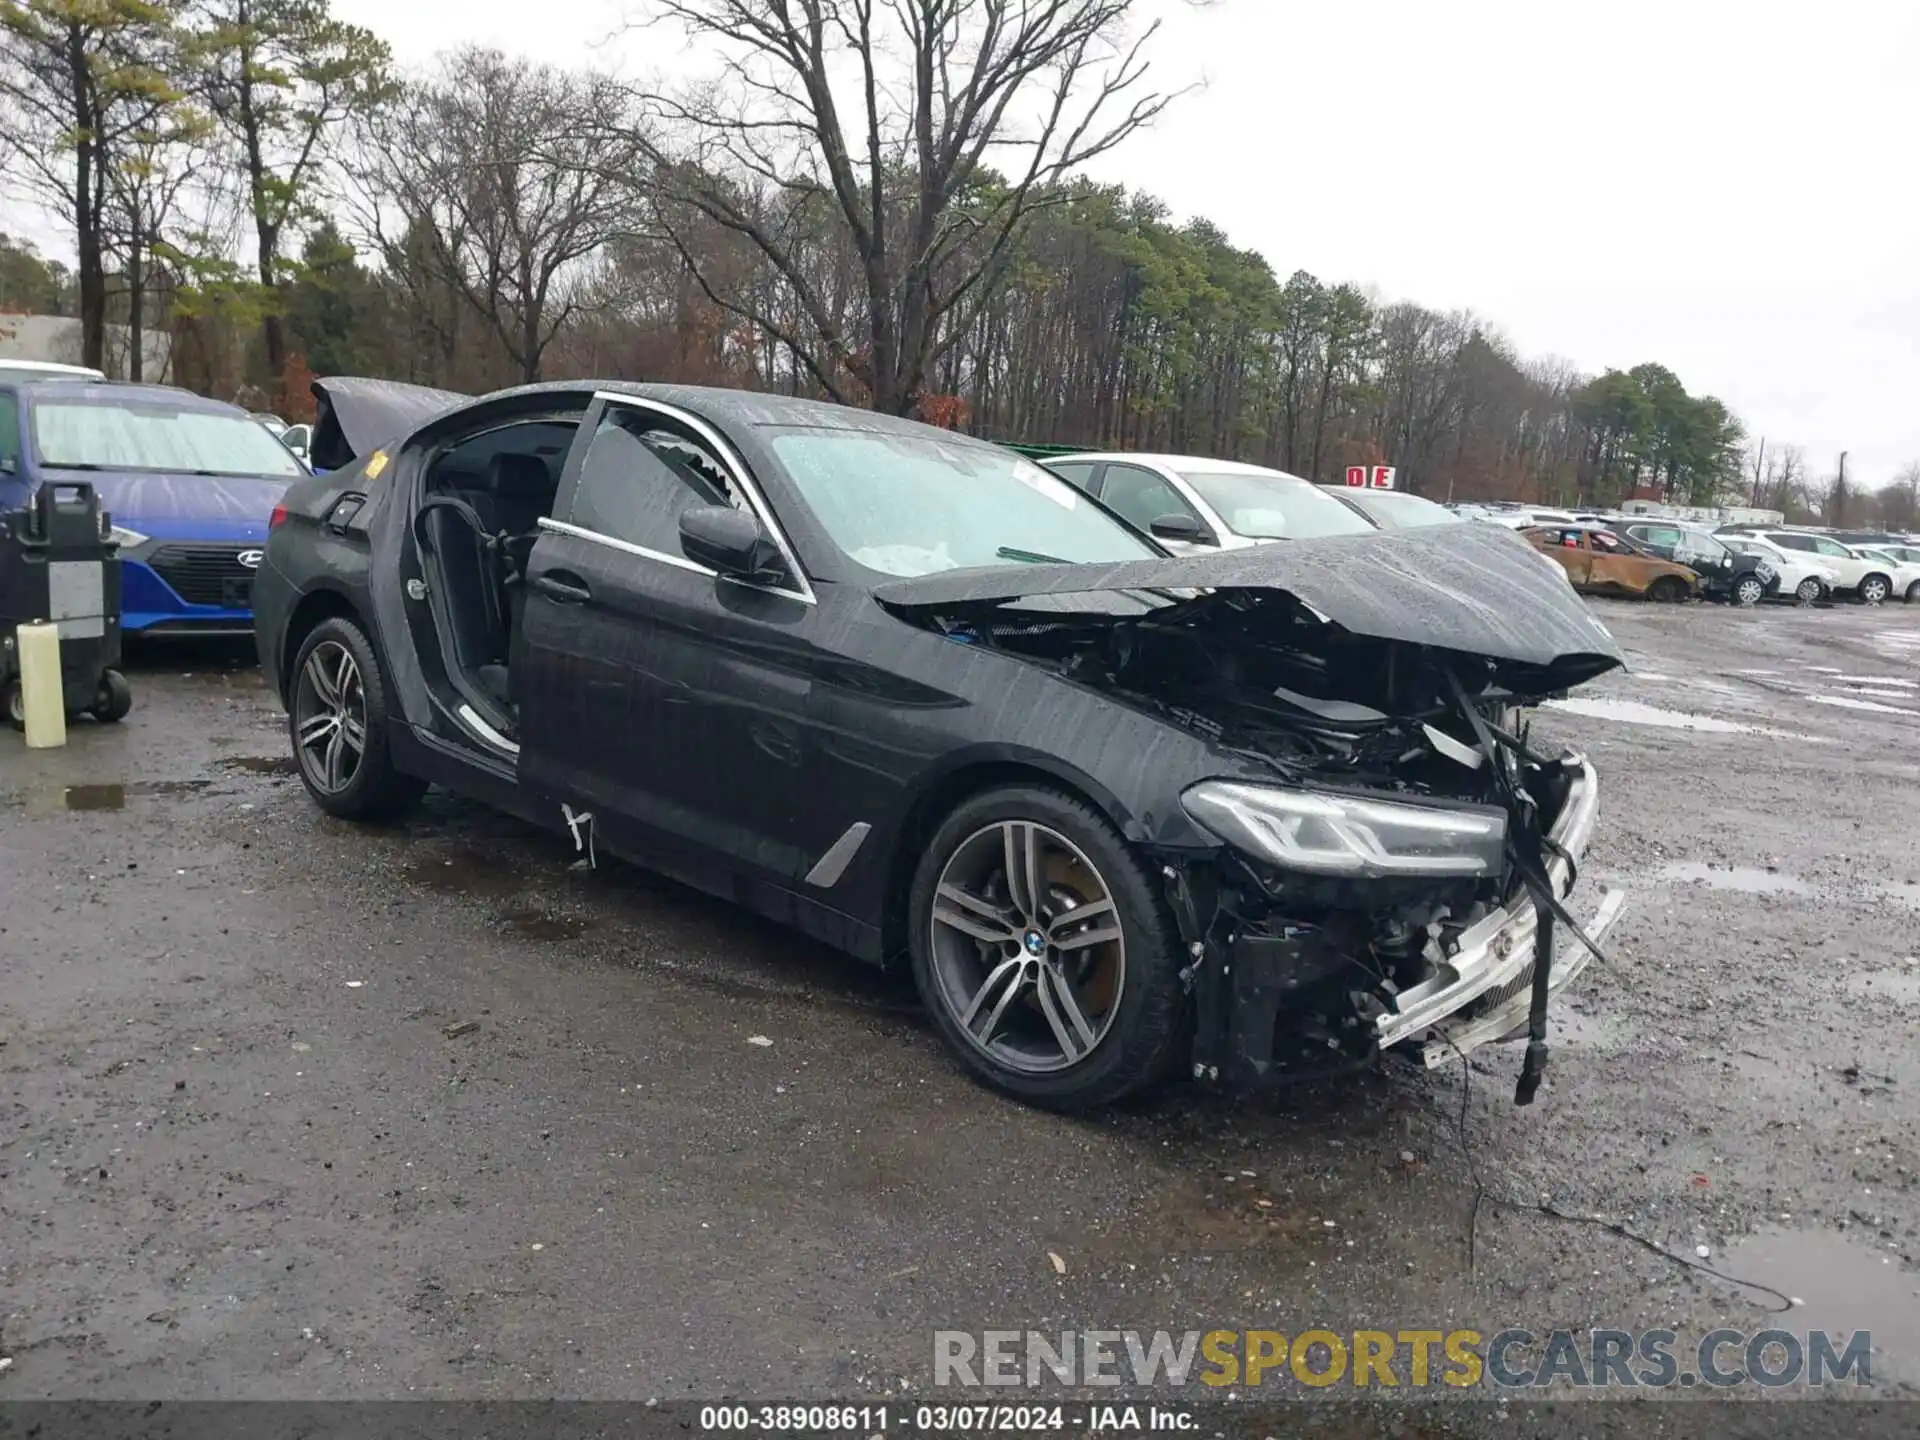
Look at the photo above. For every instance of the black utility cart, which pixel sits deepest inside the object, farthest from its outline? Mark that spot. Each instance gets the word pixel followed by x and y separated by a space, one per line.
pixel 57 563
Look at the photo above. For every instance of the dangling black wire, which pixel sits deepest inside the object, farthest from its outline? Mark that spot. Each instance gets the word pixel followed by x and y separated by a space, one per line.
pixel 1527 844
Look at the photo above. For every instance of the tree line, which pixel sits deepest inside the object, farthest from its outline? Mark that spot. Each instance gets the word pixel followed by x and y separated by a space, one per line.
pixel 878 205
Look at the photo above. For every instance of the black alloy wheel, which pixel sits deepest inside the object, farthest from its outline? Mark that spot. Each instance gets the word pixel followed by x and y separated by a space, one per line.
pixel 337 718
pixel 1044 952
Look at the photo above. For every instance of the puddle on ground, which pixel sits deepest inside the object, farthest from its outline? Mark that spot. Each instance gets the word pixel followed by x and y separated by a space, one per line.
pixel 1849 702
pixel 1902 986
pixel 1908 895
pixel 465 872
pixel 1635 712
pixel 1745 879
pixel 261 764
pixel 52 799
pixel 543 926
pixel 1845 1285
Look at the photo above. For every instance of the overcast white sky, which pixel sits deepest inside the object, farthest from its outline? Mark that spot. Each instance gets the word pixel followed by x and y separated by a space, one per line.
pixel 1727 187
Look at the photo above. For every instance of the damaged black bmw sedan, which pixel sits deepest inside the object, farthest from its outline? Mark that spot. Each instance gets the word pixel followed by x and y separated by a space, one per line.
pixel 1251 815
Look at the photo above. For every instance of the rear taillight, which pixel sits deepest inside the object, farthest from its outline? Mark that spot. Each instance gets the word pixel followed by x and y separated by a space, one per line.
pixel 278 518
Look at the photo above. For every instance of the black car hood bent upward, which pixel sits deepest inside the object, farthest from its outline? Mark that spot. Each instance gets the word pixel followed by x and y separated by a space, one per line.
pixel 1473 589
pixel 352 416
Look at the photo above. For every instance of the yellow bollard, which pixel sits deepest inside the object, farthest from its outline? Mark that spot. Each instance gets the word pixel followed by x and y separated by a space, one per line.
pixel 42 693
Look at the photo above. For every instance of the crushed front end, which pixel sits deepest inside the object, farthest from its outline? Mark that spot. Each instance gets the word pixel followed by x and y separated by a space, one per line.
pixel 1394 857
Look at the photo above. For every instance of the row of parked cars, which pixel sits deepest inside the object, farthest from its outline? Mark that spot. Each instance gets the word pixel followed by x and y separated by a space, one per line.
pixel 1636 555
pixel 1193 504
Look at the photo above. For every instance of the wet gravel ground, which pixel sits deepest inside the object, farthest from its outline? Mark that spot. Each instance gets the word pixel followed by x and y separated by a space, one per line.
pixel 298 1109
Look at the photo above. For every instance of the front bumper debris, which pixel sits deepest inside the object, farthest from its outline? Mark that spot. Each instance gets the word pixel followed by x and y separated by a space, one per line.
pixel 1488 972
pixel 1477 986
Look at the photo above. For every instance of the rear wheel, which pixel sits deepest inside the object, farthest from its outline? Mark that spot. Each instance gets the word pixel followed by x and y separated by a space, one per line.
pixel 337 719
pixel 1913 593
pixel 1748 589
pixel 1043 951
pixel 16 705
pixel 1807 591
pixel 1668 590
pixel 1874 589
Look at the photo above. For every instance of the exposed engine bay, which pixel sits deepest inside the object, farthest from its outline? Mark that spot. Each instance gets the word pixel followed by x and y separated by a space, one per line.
pixel 1300 965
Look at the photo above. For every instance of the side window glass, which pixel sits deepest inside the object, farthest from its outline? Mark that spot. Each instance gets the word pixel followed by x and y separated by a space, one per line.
pixel 1831 547
pixel 1074 473
pixel 1140 496
pixel 9 432
pixel 1795 542
pixel 639 474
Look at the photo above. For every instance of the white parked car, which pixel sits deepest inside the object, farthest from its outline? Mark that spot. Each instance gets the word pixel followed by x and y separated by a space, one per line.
pixel 1869 579
pixel 1904 571
pixel 1193 504
pixel 1802 577
pixel 1526 518
pixel 35 370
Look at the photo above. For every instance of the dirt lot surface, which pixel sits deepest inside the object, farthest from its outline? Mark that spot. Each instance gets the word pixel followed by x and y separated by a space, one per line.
pixel 298 1109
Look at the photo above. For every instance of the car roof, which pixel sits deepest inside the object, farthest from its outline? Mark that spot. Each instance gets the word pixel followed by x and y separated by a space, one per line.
pixel 1206 463
pixel 745 408
pixel 111 392
pixel 1356 492
pixel 55 366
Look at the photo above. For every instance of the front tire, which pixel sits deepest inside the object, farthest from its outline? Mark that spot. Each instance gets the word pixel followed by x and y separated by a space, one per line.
pixel 337 720
pixel 1874 589
pixel 1667 590
pixel 1913 593
pixel 1044 952
pixel 1748 590
pixel 1807 591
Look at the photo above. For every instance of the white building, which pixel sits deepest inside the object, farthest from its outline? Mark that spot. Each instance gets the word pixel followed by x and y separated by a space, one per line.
pixel 57 338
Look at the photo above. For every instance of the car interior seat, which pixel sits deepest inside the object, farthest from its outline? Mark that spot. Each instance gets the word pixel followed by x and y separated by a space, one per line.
pixel 467 558
pixel 523 488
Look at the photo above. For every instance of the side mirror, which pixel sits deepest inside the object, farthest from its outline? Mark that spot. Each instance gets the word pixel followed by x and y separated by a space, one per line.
pixel 729 541
pixel 1180 527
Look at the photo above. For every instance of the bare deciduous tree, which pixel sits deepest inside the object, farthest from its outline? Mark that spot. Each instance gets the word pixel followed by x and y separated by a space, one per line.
pixel 919 133
pixel 496 178
pixel 1900 500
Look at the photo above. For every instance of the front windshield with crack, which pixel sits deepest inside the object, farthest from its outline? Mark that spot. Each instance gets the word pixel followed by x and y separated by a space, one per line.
pixel 910 505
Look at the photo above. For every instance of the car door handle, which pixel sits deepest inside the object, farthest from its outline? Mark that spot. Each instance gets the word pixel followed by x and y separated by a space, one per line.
pixel 561 585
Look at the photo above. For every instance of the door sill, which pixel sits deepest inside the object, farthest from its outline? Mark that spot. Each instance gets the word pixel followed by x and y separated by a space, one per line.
pixel 478 725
